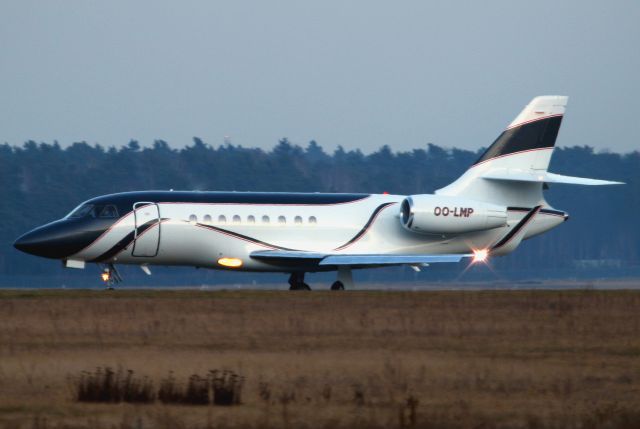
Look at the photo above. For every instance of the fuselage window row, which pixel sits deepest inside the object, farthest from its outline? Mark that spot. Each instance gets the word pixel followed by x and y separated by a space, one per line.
pixel 251 219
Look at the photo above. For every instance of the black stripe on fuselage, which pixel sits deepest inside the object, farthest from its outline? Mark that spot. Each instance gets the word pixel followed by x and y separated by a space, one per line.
pixel 366 227
pixel 534 135
pixel 126 241
pixel 525 220
pixel 543 211
pixel 355 238
pixel 244 237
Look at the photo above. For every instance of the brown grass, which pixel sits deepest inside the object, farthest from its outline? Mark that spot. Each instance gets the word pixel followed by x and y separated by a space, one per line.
pixel 529 359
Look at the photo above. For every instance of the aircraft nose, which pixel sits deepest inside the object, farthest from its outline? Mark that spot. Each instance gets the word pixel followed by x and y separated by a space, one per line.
pixel 23 243
pixel 56 240
pixel 40 242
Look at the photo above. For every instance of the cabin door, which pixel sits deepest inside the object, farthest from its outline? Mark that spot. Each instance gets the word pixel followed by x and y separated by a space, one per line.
pixel 147 233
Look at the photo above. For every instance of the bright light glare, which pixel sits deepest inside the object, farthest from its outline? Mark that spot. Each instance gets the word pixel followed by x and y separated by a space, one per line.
pixel 230 262
pixel 105 276
pixel 480 255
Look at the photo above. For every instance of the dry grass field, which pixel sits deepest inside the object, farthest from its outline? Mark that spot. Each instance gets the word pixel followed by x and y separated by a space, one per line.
pixel 468 359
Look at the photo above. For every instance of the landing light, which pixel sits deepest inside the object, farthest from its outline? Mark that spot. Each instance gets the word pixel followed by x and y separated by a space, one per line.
pixel 480 255
pixel 230 262
pixel 106 276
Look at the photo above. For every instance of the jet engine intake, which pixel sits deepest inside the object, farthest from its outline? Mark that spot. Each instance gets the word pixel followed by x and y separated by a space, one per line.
pixel 434 214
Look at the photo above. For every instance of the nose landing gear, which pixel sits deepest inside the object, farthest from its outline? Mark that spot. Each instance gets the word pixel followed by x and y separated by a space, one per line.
pixel 110 276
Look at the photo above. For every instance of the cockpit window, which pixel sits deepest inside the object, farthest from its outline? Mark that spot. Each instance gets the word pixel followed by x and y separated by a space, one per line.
pixel 109 211
pixel 82 211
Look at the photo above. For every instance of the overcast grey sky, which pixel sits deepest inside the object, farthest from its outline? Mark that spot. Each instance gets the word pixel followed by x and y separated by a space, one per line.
pixel 357 73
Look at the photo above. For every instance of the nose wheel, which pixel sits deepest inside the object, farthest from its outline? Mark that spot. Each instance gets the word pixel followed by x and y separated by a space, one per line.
pixel 110 276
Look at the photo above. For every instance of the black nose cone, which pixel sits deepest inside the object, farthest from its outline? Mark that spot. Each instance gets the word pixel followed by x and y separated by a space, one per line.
pixel 57 240
pixel 23 243
pixel 40 242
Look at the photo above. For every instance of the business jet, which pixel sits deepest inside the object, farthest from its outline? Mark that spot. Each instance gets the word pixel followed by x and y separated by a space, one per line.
pixel 488 211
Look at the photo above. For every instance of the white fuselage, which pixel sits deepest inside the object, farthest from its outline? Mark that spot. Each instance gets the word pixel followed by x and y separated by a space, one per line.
pixel 199 234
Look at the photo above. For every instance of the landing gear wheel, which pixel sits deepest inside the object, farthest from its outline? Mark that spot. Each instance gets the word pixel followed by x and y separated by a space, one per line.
pixel 110 276
pixel 337 285
pixel 302 286
pixel 296 282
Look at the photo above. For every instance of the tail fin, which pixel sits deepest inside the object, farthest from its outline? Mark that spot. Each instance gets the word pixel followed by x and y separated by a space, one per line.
pixel 534 129
pixel 525 146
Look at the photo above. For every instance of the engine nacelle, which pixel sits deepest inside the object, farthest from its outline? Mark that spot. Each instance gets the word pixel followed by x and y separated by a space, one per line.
pixel 434 214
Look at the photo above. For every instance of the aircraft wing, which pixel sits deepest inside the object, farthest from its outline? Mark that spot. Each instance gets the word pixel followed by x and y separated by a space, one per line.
pixel 360 260
pixel 284 255
pixel 389 259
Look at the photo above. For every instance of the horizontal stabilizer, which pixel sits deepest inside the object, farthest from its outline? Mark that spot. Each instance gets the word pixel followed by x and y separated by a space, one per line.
pixel 345 259
pixel 542 177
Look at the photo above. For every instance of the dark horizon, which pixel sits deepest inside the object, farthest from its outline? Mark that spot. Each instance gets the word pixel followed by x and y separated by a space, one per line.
pixel 269 149
pixel 43 182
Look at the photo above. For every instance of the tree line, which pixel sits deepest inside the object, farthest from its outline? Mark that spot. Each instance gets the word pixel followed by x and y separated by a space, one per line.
pixel 44 181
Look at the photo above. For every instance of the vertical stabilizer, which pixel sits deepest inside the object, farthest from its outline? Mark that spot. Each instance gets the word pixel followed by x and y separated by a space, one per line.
pixel 525 146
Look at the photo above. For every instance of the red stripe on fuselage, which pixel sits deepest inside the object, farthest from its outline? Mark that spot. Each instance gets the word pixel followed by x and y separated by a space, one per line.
pixel 510 154
pixel 533 120
pixel 363 233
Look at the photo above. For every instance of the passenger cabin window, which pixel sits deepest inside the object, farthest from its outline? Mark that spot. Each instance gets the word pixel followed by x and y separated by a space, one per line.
pixel 236 219
pixel 265 219
pixel 251 219
pixel 222 219
pixel 207 218
pixel 313 220
pixel 282 220
pixel 109 211
pixel 297 220
pixel 193 218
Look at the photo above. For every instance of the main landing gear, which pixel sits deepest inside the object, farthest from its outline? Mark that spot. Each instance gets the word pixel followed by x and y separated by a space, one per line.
pixel 337 285
pixel 344 281
pixel 296 282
